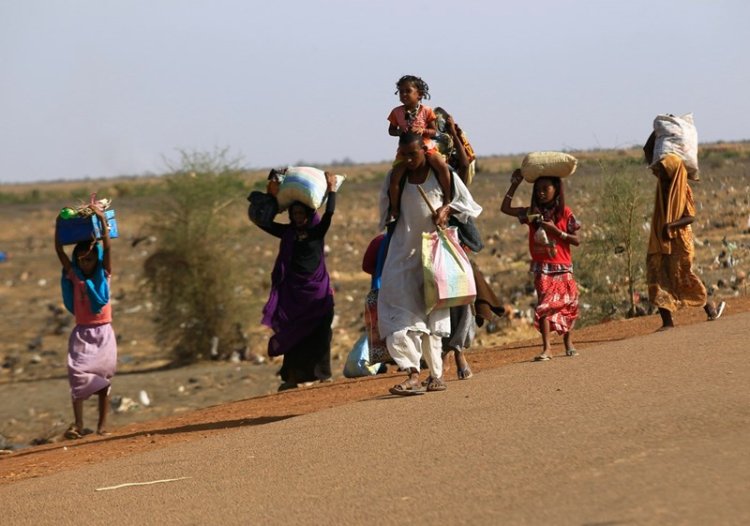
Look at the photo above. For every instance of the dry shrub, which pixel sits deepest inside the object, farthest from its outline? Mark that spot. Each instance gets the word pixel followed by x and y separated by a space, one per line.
pixel 611 268
pixel 193 274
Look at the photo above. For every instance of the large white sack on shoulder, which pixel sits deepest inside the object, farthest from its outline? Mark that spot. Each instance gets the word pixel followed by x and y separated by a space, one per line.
pixel 306 185
pixel 678 135
pixel 547 164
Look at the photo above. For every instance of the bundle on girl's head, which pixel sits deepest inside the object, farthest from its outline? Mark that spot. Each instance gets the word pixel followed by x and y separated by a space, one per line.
pixel 547 164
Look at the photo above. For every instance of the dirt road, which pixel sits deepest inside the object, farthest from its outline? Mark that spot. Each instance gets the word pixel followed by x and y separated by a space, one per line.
pixel 647 430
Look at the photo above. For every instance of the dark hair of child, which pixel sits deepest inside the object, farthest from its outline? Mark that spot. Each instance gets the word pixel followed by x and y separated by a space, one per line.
pixel 83 247
pixel 408 138
pixel 559 203
pixel 421 85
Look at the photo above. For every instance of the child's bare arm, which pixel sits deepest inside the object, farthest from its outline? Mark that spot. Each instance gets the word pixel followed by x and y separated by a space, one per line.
pixel 507 208
pixel 107 261
pixel 461 156
pixel 552 229
pixel 61 255
pixel 393 130
pixel 430 130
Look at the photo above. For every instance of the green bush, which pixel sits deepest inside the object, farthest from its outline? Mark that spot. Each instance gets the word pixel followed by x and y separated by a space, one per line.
pixel 612 266
pixel 193 274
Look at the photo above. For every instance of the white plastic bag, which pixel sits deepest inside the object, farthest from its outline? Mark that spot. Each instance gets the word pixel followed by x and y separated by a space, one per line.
pixel 677 135
pixel 357 364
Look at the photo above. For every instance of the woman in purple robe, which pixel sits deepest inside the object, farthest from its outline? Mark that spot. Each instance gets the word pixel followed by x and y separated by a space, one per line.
pixel 300 304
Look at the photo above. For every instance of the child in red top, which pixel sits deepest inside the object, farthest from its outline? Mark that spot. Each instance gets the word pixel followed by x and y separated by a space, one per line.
pixel 552 229
pixel 415 117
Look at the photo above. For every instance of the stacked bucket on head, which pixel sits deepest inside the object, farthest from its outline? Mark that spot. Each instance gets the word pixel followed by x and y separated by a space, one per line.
pixel 81 224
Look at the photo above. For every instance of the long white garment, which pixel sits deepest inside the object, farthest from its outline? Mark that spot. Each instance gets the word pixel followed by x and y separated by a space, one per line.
pixel 401 298
pixel 407 348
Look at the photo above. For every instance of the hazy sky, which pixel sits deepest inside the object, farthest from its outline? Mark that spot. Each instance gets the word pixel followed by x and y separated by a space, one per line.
pixel 109 87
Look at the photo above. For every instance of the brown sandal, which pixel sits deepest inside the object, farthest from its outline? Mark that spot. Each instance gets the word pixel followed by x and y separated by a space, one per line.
pixel 407 388
pixel 436 384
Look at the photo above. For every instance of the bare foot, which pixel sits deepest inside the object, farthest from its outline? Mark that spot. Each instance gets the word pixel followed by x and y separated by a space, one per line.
pixel 447 361
pixel 463 371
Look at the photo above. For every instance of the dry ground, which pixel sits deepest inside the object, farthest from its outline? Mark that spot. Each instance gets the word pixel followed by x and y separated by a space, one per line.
pixel 192 425
pixel 33 338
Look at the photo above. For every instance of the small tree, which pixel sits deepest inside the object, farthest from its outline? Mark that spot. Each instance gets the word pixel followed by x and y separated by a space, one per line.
pixel 192 273
pixel 617 247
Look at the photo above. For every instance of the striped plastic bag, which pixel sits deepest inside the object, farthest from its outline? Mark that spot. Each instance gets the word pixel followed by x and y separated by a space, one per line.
pixel 448 277
pixel 304 184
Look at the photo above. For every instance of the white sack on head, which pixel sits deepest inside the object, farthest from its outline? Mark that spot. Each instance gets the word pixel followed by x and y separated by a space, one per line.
pixel 678 135
pixel 306 185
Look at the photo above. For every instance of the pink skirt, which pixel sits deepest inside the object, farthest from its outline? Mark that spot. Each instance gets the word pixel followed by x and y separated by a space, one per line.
pixel 92 359
pixel 557 301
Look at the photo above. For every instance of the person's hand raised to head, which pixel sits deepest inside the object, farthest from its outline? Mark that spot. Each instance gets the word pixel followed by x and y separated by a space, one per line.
pixel 516 176
pixel 450 123
pixel 330 181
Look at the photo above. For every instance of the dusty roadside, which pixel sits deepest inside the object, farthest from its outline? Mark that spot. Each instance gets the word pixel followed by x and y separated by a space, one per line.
pixel 154 434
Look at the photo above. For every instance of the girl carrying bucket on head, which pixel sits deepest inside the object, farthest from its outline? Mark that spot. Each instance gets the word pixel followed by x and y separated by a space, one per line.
pixel 92 346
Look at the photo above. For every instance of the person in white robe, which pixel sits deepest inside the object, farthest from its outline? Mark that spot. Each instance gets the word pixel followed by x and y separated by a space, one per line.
pixel 409 332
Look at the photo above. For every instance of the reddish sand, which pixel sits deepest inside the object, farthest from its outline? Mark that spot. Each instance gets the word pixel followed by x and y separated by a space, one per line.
pixel 44 460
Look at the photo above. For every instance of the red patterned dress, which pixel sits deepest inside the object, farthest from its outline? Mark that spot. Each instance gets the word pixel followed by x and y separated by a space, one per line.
pixel 552 265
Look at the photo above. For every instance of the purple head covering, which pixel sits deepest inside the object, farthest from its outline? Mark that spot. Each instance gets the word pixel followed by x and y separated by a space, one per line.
pixel 297 301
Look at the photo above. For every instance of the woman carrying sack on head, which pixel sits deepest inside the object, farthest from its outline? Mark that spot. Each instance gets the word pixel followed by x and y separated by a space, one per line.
pixel 672 284
pixel 300 304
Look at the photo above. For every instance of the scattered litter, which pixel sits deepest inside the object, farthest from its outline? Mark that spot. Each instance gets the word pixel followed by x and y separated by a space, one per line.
pixel 128 484
pixel 144 399
pixel 120 404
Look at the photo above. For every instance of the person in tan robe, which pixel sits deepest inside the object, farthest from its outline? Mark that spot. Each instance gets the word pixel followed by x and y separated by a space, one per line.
pixel 672 284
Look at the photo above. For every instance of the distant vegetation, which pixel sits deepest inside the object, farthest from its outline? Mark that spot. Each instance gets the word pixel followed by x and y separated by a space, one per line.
pixel 206 269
